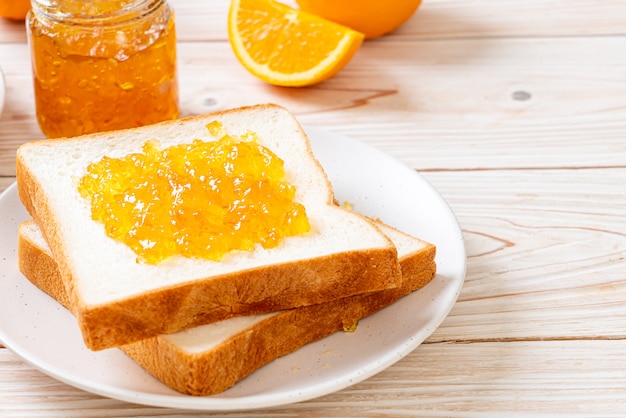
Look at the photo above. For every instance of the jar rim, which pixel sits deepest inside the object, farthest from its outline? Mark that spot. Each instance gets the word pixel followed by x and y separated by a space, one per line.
pixel 103 11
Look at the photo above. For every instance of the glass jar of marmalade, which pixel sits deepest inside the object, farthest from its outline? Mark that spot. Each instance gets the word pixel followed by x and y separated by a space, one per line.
pixel 100 65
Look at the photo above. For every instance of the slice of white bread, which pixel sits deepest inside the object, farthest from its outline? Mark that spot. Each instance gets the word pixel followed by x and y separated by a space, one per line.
pixel 117 300
pixel 211 358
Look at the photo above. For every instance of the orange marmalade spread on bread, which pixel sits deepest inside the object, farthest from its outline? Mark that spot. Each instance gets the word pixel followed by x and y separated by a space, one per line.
pixel 199 199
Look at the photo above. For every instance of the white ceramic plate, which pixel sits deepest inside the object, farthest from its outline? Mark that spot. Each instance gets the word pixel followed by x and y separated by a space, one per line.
pixel 45 335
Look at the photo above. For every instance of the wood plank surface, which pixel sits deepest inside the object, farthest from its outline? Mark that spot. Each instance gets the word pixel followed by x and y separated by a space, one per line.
pixel 201 20
pixel 546 254
pixel 445 107
pixel 518 379
pixel 516 113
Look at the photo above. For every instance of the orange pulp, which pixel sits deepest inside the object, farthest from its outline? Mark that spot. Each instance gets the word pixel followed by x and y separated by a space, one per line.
pixel 199 200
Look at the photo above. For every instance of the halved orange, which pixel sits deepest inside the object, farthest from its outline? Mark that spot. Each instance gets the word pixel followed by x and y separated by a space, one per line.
pixel 288 47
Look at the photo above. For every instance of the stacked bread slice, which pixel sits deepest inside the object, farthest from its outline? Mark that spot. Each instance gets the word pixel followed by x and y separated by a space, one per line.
pixel 200 325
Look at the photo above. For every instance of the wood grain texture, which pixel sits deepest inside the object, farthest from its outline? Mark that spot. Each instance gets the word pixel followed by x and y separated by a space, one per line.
pixel 204 20
pixel 534 378
pixel 445 106
pixel 516 113
pixel 546 254
pixel 5 182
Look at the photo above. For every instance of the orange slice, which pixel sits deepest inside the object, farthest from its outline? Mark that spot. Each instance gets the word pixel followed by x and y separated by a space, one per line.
pixel 288 47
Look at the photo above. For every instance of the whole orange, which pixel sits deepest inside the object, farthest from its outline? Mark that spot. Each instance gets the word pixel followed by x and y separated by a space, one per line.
pixel 374 18
pixel 14 9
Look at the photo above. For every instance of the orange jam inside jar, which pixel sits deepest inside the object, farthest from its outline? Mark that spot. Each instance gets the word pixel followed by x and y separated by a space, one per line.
pixel 102 65
pixel 199 199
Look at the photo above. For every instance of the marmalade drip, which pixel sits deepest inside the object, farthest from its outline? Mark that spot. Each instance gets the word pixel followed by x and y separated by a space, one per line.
pixel 198 200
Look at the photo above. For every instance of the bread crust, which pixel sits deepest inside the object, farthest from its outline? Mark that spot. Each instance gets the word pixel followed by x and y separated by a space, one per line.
pixel 193 304
pixel 216 370
pixel 206 299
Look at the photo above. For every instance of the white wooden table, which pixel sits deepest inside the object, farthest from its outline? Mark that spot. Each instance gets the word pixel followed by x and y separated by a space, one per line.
pixel 516 112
